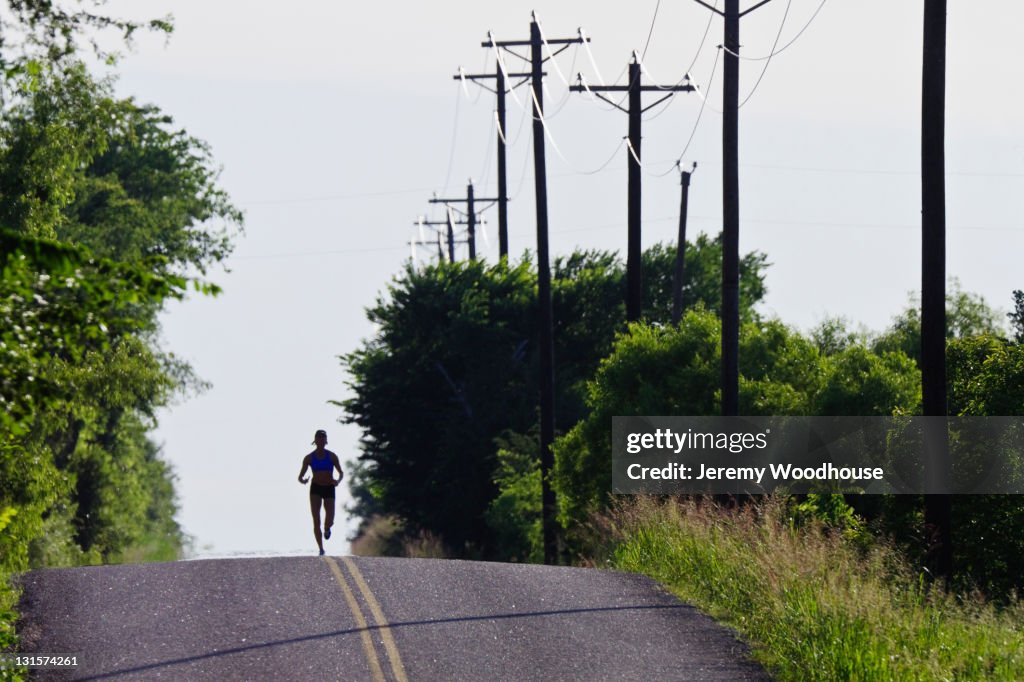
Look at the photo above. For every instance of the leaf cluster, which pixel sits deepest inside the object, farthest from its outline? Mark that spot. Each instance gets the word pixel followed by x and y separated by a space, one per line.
pixel 53 30
pixel 58 302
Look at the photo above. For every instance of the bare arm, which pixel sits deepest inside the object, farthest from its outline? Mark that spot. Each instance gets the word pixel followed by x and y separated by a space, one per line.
pixel 337 465
pixel 302 471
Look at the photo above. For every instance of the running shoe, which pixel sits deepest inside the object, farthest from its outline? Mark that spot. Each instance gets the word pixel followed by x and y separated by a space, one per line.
pixel 321 552
pixel 327 533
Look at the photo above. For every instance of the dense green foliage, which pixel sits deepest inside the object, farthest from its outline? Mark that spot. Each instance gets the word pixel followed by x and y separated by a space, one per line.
pixel 105 210
pixel 83 167
pixel 835 372
pixel 781 372
pixel 454 366
pixel 446 395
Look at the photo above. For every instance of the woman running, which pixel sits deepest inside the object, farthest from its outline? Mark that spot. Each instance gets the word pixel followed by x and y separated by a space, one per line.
pixel 323 462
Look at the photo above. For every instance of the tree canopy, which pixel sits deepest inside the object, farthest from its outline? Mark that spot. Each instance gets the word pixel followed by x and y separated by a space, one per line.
pixel 454 366
pixel 106 211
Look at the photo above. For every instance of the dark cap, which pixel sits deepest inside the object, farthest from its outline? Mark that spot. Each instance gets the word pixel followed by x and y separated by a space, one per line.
pixel 319 432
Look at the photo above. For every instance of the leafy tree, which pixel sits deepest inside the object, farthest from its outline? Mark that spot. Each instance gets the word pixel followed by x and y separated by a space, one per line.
pixel 447 372
pixel 664 370
pixel 703 285
pixel 514 515
pixel 1017 316
pixel 58 302
pixel 833 335
pixel 83 167
pixel 986 378
pixel 633 381
pixel 454 365
pixel 105 207
pixel 861 382
pixel 967 315
pixel 62 312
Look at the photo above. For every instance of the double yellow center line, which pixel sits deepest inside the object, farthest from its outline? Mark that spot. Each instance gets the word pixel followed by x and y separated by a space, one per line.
pixel 376 671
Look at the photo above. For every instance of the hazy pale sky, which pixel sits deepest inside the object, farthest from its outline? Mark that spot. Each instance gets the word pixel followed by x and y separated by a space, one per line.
pixel 335 122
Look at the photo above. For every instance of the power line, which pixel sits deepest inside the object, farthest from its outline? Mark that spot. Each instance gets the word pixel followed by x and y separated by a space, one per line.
pixel 704 218
pixel 707 29
pixel 455 137
pixel 769 61
pixel 335 197
pixel 696 123
pixel 650 33
pixel 306 254
pixel 635 90
pixel 764 166
pixel 793 40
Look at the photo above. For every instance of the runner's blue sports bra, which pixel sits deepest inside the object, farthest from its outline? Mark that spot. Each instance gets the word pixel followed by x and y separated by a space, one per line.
pixel 324 464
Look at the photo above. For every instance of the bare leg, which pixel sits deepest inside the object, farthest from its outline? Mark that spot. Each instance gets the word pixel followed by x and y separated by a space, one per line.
pixel 314 507
pixel 328 513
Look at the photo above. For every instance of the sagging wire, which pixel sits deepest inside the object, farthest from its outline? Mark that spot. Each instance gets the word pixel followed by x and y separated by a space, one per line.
pixel 485 173
pixel 696 123
pixel 519 130
pixel 465 88
pixel 483 232
pixel 558 151
pixel 784 47
pixel 778 35
pixel 455 137
pixel 551 55
pixel 643 68
pixel 632 152
pixel 504 71
pixel 522 175
pixel 697 88
pixel 497 126
pixel 707 29
pixel 568 94
pixel 504 68
pixel 605 104
pixel 650 33
pixel 593 63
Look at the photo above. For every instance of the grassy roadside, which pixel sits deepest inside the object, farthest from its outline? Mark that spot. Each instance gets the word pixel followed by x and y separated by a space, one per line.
pixel 813 605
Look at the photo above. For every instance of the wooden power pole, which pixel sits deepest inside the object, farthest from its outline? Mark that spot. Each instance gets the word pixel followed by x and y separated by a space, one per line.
pixel 500 90
pixel 731 204
pixel 679 274
pixel 634 275
pixel 547 343
pixel 470 223
pixel 938 507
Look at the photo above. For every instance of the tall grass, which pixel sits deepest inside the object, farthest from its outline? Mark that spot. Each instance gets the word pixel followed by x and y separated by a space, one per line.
pixel 813 604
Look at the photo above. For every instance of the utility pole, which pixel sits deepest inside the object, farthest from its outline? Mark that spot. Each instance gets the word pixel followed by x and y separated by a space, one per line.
pixel 731 204
pixel 634 275
pixel 680 270
pixel 547 342
pixel 470 202
pixel 500 90
pixel 938 505
pixel 449 223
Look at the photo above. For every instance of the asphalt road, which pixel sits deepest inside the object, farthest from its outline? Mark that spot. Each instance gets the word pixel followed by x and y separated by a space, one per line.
pixel 342 618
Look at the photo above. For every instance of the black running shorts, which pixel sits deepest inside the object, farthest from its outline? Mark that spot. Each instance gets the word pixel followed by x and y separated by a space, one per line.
pixel 326 491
